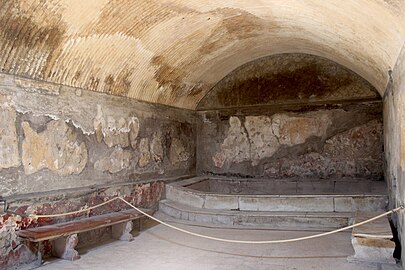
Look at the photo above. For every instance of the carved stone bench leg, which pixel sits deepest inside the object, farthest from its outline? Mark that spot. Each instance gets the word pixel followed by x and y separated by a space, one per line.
pixel 64 247
pixel 122 231
pixel 39 254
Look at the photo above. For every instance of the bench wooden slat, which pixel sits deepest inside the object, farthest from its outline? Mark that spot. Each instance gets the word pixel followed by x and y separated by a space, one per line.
pixel 77 226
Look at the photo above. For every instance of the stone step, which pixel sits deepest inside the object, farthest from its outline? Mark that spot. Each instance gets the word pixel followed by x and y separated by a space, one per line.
pixel 271 219
pixel 372 242
pixel 277 203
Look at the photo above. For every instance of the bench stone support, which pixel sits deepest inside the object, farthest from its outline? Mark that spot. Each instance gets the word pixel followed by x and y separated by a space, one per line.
pixel 39 255
pixel 122 231
pixel 64 247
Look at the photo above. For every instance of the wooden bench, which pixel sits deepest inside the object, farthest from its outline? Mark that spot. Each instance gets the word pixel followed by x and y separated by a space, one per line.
pixel 372 242
pixel 64 235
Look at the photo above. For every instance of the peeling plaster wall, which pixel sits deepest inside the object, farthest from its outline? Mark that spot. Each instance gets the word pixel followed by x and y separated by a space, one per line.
pixel 319 141
pixel 291 116
pixel 394 138
pixel 54 137
pixel 62 149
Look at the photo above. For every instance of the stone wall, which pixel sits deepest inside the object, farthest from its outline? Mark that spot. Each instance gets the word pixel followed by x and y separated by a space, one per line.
pixel 394 143
pixel 54 137
pixel 319 141
pixel 63 148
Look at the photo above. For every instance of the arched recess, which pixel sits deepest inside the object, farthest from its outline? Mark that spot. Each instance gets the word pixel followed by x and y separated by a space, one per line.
pixel 292 116
pixel 288 79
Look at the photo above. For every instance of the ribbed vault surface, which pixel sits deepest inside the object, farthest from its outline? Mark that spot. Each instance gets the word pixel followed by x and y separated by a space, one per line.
pixel 174 51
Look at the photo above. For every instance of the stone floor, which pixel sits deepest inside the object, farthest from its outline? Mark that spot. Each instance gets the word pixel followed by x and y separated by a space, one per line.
pixel 158 247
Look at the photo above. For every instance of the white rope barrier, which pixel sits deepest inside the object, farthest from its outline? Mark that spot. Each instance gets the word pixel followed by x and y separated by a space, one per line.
pixel 223 239
pixel 76 212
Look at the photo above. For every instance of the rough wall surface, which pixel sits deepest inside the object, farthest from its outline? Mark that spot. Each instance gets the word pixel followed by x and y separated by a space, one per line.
pixel 8 135
pixel 287 78
pixel 56 148
pixel 66 138
pixel 311 142
pixel 174 51
pixel 62 149
pixel 394 140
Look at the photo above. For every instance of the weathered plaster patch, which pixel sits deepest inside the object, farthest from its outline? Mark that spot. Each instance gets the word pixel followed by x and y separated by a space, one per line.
pixel 145 155
pixel 236 146
pixel 56 148
pixel 178 152
pixel 8 238
pixel 122 132
pixel 296 130
pixel 38 87
pixel 357 143
pixel 116 162
pixel 353 153
pixel 118 191
pixel 261 136
pixel 9 156
pixel 134 131
pixel 156 147
pixel 12 249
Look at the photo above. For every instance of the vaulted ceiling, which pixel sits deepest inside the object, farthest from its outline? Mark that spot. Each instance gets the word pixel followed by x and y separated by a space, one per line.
pixel 174 51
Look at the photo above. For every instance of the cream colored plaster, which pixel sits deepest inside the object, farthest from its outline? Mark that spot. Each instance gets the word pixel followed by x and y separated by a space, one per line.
pixel 173 51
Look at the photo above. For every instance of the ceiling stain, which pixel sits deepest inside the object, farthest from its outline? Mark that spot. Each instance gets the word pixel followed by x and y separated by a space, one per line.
pixel 120 85
pixel 22 34
pixel 166 75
